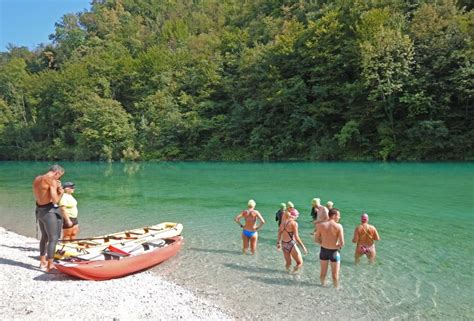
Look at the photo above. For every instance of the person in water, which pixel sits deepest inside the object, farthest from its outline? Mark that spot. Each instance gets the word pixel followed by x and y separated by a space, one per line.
pixel 329 205
pixel 314 210
pixel 330 235
pixel 288 240
pixel 365 236
pixel 279 213
pixel 321 211
pixel 250 227
pixel 68 207
pixel 48 191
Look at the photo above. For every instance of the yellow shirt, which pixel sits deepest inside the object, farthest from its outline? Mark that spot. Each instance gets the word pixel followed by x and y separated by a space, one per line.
pixel 70 204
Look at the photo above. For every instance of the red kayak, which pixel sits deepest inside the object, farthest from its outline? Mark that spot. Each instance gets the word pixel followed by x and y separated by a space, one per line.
pixel 116 262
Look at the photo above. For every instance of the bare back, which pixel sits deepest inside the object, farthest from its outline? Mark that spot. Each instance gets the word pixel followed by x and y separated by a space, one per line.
pixel 330 235
pixel 250 217
pixel 45 190
pixel 365 234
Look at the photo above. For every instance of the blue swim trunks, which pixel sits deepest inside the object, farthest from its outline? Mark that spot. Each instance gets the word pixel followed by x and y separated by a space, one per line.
pixel 249 233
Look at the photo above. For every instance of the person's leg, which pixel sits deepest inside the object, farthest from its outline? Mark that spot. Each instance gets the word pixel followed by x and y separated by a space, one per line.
pixel 75 232
pixel 287 257
pixel 253 243
pixel 296 254
pixel 357 255
pixel 67 234
pixel 335 266
pixel 53 224
pixel 43 241
pixel 245 244
pixel 324 271
pixel 371 255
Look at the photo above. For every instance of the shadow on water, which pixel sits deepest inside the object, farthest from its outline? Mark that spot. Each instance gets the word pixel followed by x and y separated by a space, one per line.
pixel 251 268
pixel 214 251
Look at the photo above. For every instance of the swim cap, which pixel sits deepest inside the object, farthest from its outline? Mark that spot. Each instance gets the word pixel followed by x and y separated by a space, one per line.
pixel 251 203
pixel 316 201
pixel 290 204
pixel 294 212
pixel 330 204
pixel 282 206
pixel 364 217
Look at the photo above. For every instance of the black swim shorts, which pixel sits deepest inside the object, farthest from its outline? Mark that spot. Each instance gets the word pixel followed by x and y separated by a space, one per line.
pixel 327 254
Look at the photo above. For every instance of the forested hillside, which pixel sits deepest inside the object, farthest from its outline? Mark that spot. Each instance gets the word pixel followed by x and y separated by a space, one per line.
pixel 245 80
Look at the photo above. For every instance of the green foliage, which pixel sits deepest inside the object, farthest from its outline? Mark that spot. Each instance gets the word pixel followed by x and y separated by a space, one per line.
pixel 245 80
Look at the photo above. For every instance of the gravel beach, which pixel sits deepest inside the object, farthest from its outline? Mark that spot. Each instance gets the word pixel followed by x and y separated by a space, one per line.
pixel 30 294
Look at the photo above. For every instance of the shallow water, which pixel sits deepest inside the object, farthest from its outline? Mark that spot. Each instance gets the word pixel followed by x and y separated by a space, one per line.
pixel 424 214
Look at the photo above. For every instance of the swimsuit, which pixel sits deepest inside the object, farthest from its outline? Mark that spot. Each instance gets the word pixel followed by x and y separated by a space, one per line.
pixel 366 249
pixel 249 233
pixel 288 246
pixel 74 221
pixel 328 254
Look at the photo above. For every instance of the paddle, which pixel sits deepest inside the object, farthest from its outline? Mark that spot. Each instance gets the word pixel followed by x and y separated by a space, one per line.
pixel 114 251
pixel 100 238
pixel 146 229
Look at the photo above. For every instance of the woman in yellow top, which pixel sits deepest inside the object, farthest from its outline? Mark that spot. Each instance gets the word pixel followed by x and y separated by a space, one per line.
pixel 68 206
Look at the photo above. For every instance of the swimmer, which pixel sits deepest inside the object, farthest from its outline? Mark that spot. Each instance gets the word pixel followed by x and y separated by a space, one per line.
pixel 250 227
pixel 365 236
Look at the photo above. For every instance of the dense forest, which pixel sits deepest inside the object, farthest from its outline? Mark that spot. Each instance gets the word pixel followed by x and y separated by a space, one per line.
pixel 245 80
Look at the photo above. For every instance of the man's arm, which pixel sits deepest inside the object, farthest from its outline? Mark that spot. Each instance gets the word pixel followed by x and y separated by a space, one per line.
pixel 340 240
pixel 318 236
pixel 56 191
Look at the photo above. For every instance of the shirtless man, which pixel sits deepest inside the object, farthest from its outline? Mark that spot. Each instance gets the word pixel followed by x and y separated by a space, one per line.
pixel 331 237
pixel 365 236
pixel 249 232
pixel 48 191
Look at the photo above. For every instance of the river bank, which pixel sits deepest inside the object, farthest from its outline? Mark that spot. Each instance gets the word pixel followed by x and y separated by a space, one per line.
pixel 31 294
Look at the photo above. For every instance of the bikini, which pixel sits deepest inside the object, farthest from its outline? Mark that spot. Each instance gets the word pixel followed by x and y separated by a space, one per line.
pixel 288 246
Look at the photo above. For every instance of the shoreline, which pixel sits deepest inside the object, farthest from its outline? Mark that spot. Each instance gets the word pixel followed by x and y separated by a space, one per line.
pixel 141 296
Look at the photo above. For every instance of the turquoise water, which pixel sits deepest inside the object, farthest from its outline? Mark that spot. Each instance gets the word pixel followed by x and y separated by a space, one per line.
pixel 424 214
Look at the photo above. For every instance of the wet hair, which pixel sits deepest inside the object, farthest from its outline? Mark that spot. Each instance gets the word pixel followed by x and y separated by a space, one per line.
pixel 333 211
pixel 56 168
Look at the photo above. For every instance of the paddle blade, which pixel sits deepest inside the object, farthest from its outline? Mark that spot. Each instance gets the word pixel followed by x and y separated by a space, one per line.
pixel 117 250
